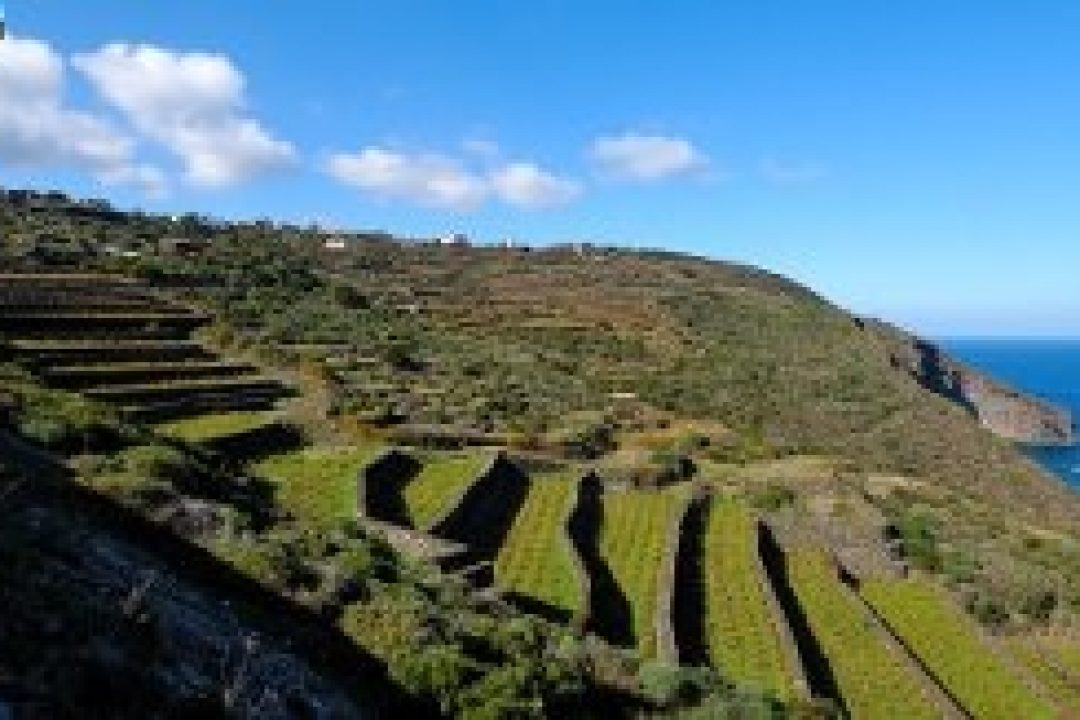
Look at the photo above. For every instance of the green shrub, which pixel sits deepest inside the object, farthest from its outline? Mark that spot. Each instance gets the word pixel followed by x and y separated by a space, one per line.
pixel 668 685
pixel 773 497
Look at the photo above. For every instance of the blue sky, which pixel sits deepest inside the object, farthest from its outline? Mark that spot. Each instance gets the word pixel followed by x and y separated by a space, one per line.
pixel 919 161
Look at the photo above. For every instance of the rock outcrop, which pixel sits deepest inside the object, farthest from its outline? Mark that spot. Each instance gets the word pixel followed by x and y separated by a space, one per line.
pixel 1003 410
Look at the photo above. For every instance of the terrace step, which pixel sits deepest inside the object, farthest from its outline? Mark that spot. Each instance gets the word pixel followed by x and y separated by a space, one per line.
pixel 81 377
pixel 208 389
pixel 69 325
pixel 175 409
pixel 66 279
pixel 13 297
pixel 120 317
pixel 52 352
pixel 88 304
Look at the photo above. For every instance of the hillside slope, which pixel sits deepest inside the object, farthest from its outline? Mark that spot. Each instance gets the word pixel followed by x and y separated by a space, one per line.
pixel 841 438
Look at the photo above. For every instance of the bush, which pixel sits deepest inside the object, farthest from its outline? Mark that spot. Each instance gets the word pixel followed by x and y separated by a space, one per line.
pixel 670 685
pixel 920 533
pixel 774 497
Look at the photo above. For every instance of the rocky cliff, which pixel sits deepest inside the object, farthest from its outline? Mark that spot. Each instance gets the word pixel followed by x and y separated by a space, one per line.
pixel 1004 410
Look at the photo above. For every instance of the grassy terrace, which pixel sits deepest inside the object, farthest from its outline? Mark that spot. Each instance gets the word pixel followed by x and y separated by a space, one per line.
pixel 215 425
pixel 873 681
pixel 150 391
pixel 743 639
pixel 535 561
pixel 438 483
pixel 1042 664
pixel 319 484
pixel 949 643
pixel 633 542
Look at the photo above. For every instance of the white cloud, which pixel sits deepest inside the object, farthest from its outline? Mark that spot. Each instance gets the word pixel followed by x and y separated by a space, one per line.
pixel 37 130
pixel 528 186
pixel 445 182
pixel 193 104
pixel 641 158
pixel 780 173
pixel 431 180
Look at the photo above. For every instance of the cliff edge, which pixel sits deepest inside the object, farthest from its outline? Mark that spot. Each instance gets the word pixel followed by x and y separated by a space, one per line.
pixel 1005 411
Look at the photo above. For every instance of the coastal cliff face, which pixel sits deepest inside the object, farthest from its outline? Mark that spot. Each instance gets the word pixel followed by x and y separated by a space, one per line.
pixel 1003 410
pixel 1014 415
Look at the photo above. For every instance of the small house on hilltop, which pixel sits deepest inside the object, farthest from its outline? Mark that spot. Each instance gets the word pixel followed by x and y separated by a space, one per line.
pixel 335 243
pixel 457 239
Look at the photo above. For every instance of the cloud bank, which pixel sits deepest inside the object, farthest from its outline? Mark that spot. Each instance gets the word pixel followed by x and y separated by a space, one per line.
pixel 191 103
pixel 37 130
pixel 445 182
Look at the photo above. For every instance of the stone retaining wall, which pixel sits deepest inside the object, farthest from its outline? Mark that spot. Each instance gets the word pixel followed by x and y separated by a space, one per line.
pixel 664 620
pixel 482 514
pixel 378 487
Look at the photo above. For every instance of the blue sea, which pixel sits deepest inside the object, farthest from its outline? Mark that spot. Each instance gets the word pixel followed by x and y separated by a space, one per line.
pixel 1046 367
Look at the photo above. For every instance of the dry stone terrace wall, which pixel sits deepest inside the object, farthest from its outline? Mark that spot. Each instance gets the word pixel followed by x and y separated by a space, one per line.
pixel 933 688
pixel 258 442
pixel 482 515
pixel 82 377
pixel 379 487
pixel 665 623
pixel 784 624
pixel 59 352
pixel 688 602
pixel 575 534
pixel 800 643
pixel 607 611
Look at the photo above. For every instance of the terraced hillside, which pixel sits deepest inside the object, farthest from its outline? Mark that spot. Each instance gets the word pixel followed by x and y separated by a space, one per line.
pixel 117 341
pixel 683 459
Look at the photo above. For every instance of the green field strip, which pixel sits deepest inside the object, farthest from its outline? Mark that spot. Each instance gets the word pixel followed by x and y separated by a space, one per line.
pixel 873 680
pixel 535 561
pixel 742 634
pixel 1060 685
pixel 215 425
pixel 948 642
pixel 634 541
pixel 318 484
pixel 440 481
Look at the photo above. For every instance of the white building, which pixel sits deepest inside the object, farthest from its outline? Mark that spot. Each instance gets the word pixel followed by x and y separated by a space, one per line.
pixel 454 239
